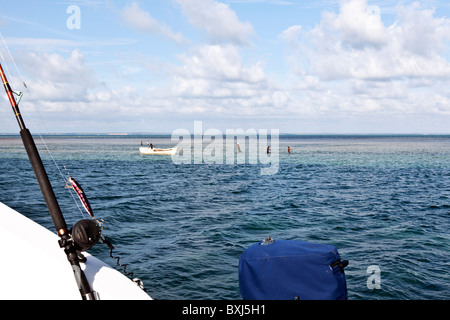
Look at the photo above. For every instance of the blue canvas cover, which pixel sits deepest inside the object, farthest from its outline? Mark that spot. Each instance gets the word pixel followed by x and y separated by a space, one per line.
pixel 291 269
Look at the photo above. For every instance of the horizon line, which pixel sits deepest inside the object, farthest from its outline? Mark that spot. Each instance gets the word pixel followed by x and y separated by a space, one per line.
pixel 124 134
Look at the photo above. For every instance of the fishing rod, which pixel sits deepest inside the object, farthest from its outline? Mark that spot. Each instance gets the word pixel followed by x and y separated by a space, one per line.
pixel 85 233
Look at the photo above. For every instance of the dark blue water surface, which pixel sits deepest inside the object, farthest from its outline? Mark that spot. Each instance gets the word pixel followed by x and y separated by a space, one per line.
pixel 382 200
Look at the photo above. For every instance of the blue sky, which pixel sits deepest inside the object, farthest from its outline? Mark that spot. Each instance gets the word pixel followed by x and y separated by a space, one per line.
pixel 350 66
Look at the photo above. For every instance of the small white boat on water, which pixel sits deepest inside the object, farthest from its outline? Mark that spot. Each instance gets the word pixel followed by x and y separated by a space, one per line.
pixel 158 151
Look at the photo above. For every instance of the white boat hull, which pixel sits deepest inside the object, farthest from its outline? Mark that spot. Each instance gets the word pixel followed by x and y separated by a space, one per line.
pixel 157 151
pixel 34 267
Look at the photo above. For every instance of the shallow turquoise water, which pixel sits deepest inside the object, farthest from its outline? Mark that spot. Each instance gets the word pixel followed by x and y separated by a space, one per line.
pixel 382 200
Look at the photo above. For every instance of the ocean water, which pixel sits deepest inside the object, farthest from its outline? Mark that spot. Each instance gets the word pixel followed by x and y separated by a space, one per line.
pixel 382 200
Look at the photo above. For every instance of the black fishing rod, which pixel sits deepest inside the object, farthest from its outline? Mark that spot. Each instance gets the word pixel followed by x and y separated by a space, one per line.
pixel 66 241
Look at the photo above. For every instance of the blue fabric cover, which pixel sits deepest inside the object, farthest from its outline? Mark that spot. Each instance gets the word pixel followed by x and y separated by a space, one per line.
pixel 291 269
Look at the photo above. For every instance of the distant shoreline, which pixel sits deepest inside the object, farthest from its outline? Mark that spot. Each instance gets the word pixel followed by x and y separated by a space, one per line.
pixel 4 136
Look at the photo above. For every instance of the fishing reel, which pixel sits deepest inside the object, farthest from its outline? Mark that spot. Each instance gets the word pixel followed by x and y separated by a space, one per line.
pixel 85 234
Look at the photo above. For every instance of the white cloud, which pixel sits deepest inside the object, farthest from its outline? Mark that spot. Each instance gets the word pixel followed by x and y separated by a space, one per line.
pixel 214 78
pixel 356 44
pixel 358 25
pixel 64 86
pixel 209 78
pixel 420 32
pixel 291 34
pixel 219 62
pixel 352 63
pixel 143 21
pixel 55 78
pixel 217 20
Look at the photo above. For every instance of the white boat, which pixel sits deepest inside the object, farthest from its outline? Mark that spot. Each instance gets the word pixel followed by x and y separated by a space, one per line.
pixel 34 267
pixel 166 152
pixel 36 264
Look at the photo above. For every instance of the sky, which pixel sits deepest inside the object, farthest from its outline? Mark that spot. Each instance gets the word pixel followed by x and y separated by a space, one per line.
pixel 305 67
